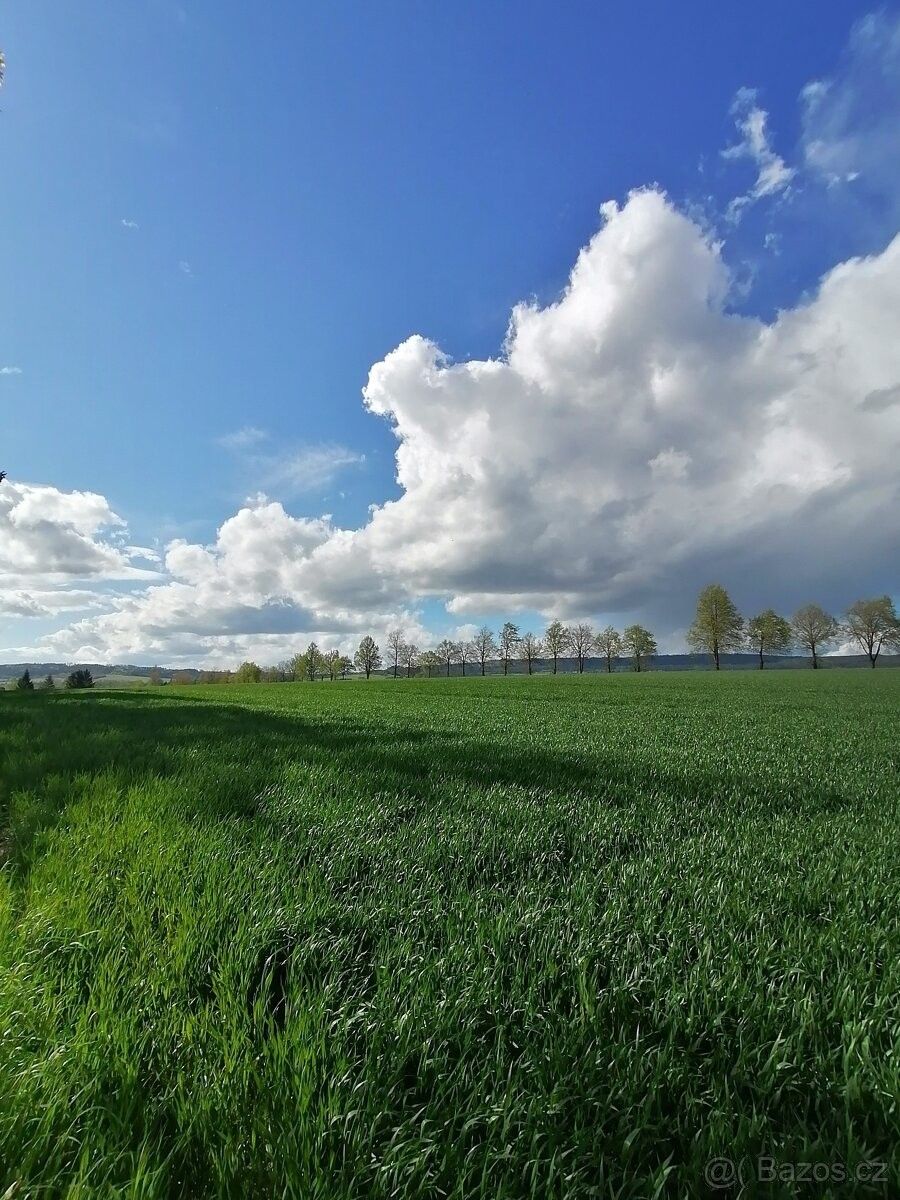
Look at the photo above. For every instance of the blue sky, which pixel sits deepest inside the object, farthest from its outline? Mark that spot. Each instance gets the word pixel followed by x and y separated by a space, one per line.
pixel 217 218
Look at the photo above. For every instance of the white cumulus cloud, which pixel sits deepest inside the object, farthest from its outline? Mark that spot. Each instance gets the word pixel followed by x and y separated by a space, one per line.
pixel 631 441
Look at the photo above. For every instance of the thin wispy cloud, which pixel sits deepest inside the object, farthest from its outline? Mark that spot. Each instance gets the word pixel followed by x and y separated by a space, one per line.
pixel 185 267
pixel 243 439
pixel 10 370
pixel 308 469
pixel 127 223
pixel 289 472
pixel 773 174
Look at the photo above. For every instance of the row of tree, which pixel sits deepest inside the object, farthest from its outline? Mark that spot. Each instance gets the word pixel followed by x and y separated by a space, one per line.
pixel 559 641
pixel 81 678
pixel 719 628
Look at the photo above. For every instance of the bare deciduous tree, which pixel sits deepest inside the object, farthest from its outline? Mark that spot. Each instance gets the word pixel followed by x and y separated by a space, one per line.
pixel 814 628
pixel 409 657
pixel 395 648
pixel 509 637
pixel 581 643
pixel 530 648
pixel 485 646
pixel 446 652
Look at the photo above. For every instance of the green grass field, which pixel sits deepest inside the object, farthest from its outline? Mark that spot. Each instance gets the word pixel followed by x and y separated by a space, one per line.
pixel 471 938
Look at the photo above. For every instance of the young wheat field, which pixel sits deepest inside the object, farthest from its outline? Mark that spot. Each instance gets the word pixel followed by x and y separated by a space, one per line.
pixel 568 937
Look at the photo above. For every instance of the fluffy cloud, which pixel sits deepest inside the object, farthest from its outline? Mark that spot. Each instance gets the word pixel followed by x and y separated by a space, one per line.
pixel 634 439
pixel 46 534
pixel 637 436
pixel 248 593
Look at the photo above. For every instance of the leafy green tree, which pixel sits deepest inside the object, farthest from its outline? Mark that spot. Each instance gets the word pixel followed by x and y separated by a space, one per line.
pixel 23 683
pixel 429 661
pixel 582 641
pixel 814 628
pixel 485 646
pixel 639 643
pixel 609 643
pixel 530 648
pixel 48 684
pixel 718 626
pixel 248 672
pixel 556 639
pixel 509 637
pixel 768 633
pixel 296 666
pixel 368 656
pixel 314 662
pixel 873 625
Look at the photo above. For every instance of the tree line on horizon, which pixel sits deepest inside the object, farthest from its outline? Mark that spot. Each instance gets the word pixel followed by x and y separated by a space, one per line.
pixel 718 628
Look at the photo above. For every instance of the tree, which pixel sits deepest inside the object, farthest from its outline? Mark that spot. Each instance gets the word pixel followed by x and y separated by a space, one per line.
pixel 609 643
pixel 314 663
pixel 446 652
pixel 248 672
pixel 718 626
pixel 429 660
pixel 410 657
pixel 368 656
pixel 344 665
pixel 556 639
pixel 23 683
pixel 768 633
pixel 873 625
pixel 640 644
pixel 814 628
pixel 296 666
pixel 155 677
pixel 464 653
pixel 509 637
pixel 530 648
pixel 395 646
pixel 82 678
pixel 48 684
pixel 581 643
pixel 485 646
pixel 332 662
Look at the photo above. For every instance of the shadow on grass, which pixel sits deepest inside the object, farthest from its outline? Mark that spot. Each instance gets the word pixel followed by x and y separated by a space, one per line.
pixel 232 751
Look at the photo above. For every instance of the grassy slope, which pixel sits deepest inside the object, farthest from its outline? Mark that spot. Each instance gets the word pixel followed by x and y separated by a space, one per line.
pixel 471 938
